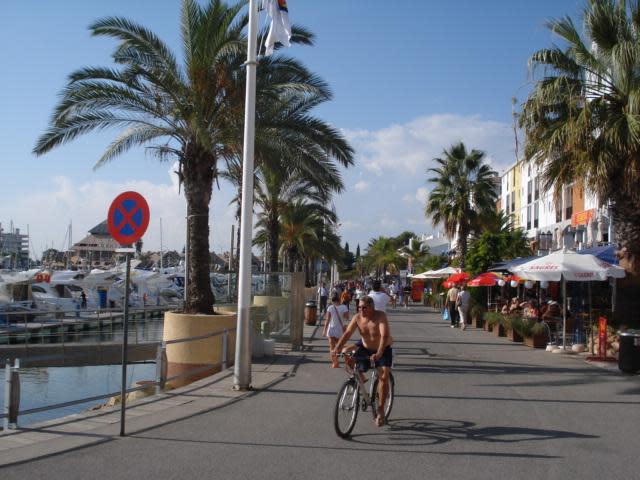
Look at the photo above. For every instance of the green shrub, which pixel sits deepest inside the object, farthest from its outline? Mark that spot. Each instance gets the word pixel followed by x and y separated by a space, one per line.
pixel 528 327
pixel 478 312
pixel 493 318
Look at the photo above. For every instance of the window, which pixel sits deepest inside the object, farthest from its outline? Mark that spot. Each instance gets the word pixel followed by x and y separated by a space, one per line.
pixel 529 217
pixel 513 201
pixel 506 204
pixel 568 203
pixel 529 192
pixel 536 214
pixel 536 188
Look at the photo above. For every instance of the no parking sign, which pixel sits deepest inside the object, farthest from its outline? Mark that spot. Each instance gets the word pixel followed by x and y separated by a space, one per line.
pixel 128 218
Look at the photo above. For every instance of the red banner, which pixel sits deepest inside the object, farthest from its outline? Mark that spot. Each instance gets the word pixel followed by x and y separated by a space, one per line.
pixel 582 218
pixel 602 337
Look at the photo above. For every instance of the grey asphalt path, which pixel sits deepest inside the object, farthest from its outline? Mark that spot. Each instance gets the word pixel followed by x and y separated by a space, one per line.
pixel 468 405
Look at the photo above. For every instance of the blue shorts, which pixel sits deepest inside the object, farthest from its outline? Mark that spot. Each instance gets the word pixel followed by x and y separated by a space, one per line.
pixel 362 356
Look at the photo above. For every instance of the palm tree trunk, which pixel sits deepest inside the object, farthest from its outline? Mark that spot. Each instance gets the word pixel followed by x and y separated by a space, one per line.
pixel 273 286
pixel 463 246
pixel 198 184
pixel 627 225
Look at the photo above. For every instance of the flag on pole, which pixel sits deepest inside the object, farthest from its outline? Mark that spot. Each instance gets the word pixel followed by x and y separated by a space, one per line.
pixel 280 29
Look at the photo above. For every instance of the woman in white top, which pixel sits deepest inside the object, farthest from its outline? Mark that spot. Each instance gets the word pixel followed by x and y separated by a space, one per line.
pixel 334 326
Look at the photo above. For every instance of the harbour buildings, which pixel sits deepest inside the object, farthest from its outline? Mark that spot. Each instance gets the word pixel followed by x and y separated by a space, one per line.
pixel 14 248
pixel 575 218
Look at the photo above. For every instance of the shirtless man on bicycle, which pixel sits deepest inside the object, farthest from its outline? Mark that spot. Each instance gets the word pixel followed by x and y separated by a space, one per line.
pixel 374 346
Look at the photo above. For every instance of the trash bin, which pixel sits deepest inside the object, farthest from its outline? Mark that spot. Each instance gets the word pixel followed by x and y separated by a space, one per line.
pixel 629 355
pixel 310 312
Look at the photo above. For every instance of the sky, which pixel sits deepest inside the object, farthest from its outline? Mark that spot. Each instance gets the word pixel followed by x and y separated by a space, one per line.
pixel 409 78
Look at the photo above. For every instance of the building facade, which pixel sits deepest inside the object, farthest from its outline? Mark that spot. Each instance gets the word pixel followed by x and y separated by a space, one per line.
pixel 14 248
pixel 573 219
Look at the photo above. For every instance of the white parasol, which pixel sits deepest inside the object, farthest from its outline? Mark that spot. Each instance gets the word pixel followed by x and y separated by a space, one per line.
pixel 568 265
pixel 441 273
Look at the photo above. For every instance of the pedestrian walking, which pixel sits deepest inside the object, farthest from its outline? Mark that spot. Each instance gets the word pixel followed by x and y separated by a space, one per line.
pixel 452 298
pixel 337 315
pixel 463 303
pixel 322 292
pixel 406 294
pixel 380 297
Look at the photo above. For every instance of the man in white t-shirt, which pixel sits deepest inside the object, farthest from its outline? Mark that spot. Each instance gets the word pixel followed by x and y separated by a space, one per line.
pixel 393 293
pixel 322 293
pixel 380 298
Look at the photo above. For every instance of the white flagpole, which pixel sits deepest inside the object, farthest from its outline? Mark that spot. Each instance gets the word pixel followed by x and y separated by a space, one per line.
pixel 242 366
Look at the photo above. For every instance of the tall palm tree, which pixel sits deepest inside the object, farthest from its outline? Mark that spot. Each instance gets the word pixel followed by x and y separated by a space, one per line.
pixel 383 253
pixel 191 112
pixel 582 118
pixel 463 193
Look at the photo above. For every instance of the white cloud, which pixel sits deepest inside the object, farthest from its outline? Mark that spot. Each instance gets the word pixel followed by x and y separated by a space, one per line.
pixel 361 186
pixel 48 213
pixel 409 148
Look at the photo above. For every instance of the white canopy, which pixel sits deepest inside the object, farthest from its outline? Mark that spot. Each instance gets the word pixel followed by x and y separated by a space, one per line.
pixel 441 273
pixel 567 265
pixel 571 266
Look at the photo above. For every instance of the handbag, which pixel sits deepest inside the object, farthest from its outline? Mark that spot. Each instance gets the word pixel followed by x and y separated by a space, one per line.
pixel 445 314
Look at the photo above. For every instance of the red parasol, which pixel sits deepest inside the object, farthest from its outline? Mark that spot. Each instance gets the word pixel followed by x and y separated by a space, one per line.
pixel 488 279
pixel 458 278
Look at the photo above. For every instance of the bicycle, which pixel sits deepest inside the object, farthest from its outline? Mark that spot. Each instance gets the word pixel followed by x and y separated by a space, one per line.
pixel 353 395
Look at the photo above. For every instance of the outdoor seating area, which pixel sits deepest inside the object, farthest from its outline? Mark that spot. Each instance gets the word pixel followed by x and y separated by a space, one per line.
pixel 554 301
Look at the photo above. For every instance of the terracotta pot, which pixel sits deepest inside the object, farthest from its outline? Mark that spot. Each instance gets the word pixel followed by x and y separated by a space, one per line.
pixel 477 322
pixel 498 330
pixel 537 341
pixel 513 335
pixel 205 354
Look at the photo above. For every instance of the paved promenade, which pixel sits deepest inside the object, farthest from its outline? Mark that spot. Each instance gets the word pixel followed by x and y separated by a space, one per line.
pixel 468 405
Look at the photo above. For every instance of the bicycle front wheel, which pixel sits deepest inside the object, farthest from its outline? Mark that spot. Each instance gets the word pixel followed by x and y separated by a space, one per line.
pixel 388 403
pixel 346 410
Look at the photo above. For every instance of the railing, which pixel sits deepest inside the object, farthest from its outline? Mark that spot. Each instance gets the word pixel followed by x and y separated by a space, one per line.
pixel 45 327
pixel 11 409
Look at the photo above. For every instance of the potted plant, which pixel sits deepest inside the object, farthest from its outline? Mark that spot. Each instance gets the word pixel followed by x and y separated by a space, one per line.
pixel 535 334
pixel 477 315
pixel 512 326
pixel 492 321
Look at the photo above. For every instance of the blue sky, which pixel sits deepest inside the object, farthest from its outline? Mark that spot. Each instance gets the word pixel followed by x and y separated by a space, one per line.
pixel 409 78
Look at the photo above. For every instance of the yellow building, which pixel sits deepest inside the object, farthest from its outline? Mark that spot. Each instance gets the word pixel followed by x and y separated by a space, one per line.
pixel 510 199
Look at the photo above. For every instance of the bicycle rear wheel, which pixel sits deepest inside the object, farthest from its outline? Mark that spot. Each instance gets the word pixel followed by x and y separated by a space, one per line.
pixel 388 403
pixel 346 409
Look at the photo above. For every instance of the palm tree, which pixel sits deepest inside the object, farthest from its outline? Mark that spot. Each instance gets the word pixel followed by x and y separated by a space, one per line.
pixel 463 194
pixel 582 118
pixel 383 253
pixel 191 112
pixel 414 252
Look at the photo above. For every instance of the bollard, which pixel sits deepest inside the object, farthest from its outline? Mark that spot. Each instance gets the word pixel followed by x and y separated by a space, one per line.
pixel 225 348
pixel 161 367
pixel 11 394
pixel 265 329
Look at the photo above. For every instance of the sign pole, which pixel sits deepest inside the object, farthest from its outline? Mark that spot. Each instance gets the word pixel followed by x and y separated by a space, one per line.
pixel 127 220
pixel 125 345
pixel 242 366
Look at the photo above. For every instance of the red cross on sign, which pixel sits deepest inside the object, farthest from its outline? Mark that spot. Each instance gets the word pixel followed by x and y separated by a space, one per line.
pixel 128 218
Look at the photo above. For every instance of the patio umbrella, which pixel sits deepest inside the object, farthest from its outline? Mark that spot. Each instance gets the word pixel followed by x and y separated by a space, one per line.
pixel 566 265
pixel 487 279
pixel 458 277
pixel 440 273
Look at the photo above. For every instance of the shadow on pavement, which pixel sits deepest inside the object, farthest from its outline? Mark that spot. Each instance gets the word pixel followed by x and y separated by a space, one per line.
pixel 406 432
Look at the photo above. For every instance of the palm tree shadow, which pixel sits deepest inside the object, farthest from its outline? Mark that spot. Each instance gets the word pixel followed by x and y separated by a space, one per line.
pixel 420 432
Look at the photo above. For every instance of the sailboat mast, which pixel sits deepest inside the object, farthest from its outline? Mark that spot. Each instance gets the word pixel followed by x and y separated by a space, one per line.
pixel 161 248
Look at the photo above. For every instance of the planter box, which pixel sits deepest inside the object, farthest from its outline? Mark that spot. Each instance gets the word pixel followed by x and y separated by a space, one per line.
pixel 477 322
pixel 513 335
pixel 487 327
pixel 537 341
pixel 498 330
